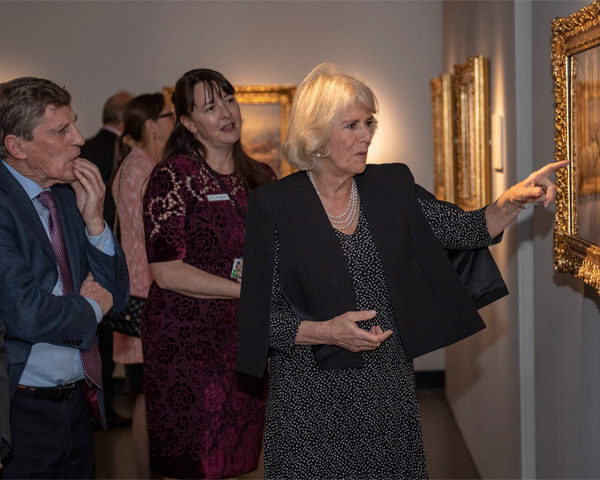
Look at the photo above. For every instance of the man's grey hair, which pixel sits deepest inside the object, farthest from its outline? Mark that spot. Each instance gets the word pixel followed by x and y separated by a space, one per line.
pixel 23 103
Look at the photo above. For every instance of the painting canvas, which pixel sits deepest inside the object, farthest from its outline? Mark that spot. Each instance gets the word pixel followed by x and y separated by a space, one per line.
pixel 265 113
pixel 586 142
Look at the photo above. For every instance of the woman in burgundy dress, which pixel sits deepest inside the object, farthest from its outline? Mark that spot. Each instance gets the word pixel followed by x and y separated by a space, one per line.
pixel 148 120
pixel 204 420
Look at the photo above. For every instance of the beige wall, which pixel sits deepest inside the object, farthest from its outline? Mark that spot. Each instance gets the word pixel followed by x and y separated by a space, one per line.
pixel 96 48
pixel 483 371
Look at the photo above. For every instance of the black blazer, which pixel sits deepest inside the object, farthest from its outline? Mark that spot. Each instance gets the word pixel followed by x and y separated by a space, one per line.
pixel 431 306
pixel 100 150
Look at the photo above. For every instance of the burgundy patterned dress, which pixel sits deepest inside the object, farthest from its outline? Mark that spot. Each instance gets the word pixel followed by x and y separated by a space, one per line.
pixel 204 421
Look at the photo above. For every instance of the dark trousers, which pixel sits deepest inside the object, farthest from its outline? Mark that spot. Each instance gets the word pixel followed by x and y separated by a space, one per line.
pixel 50 439
pixel 105 346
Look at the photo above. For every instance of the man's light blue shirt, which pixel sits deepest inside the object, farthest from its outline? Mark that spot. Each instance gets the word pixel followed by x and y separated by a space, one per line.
pixel 49 365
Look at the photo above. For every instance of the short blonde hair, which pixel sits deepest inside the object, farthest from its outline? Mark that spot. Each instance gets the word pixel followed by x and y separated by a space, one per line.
pixel 324 96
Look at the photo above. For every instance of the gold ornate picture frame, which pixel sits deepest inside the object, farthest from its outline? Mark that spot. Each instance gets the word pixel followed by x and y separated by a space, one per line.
pixel 443 136
pixel 471 97
pixel 576 72
pixel 265 113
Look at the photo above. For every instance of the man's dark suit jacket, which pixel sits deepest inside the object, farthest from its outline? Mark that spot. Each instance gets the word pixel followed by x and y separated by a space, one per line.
pixel 28 273
pixel 100 150
pixel 431 306
pixel 4 396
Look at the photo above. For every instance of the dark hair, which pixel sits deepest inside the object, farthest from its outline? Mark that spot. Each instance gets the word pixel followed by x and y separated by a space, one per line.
pixel 137 111
pixel 112 112
pixel 182 141
pixel 23 103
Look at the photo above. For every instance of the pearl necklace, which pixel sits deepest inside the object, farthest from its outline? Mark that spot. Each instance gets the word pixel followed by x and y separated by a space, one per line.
pixel 343 221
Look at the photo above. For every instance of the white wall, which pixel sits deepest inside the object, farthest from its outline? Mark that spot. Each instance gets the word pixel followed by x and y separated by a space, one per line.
pixel 95 48
pixel 482 376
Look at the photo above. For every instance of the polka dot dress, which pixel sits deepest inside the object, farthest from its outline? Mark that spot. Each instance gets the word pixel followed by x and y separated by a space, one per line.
pixel 354 423
pixel 457 229
pixel 343 424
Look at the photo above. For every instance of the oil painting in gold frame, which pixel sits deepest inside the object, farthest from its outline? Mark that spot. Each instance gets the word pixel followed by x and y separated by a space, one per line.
pixel 576 72
pixel 443 136
pixel 471 97
pixel 265 113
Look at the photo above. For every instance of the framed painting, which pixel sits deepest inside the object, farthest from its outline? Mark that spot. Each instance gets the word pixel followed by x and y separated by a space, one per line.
pixel 265 113
pixel 443 136
pixel 576 72
pixel 472 129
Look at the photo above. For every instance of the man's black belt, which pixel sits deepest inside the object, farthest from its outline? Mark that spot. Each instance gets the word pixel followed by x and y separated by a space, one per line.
pixel 54 394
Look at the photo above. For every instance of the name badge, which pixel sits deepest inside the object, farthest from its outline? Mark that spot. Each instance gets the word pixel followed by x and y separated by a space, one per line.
pixel 218 197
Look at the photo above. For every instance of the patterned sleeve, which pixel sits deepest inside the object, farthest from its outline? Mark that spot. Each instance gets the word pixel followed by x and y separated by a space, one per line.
pixel 164 215
pixel 284 324
pixel 457 229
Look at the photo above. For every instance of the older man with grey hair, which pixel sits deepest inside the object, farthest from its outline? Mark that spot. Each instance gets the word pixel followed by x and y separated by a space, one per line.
pixel 61 270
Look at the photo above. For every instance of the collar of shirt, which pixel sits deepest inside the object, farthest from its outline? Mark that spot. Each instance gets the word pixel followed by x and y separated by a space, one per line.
pixel 114 130
pixel 31 188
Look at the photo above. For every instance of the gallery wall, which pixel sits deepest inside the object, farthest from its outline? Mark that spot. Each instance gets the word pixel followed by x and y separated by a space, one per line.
pixel 96 48
pixel 482 371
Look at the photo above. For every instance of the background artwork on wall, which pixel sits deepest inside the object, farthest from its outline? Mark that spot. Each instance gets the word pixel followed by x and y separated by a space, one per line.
pixel 442 101
pixel 265 113
pixel 576 71
pixel 472 130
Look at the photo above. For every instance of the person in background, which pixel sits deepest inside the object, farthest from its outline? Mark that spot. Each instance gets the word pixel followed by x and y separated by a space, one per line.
pixel 345 281
pixel 148 120
pixel 100 150
pixel 61 271
pixel 204 420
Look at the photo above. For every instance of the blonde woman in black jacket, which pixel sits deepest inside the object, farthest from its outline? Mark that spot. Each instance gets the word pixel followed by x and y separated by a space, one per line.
pixel 345 281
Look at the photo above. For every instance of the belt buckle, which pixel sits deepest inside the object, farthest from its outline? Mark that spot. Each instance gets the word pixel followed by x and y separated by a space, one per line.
pixel 65 392
pixel 58 395
pixel 70 393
